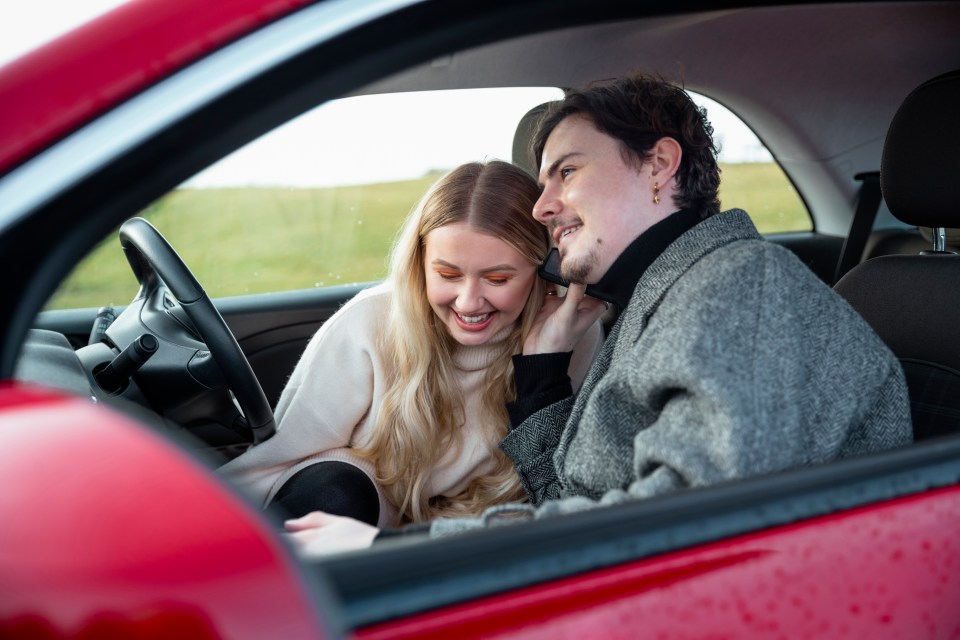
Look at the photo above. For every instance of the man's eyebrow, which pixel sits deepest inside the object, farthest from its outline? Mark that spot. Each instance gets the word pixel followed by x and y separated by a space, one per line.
pixel 500 267
pixel 552 170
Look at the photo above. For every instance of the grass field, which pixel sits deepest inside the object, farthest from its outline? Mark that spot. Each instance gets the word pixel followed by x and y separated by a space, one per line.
pixel 255 240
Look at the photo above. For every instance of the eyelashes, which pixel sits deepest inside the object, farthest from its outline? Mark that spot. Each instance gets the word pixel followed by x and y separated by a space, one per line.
pixel 494 279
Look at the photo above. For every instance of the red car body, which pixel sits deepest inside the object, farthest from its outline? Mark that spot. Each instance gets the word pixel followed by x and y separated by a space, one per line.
pixel 56 88
pixel 165 553
pixel 194 562
pixel 109 530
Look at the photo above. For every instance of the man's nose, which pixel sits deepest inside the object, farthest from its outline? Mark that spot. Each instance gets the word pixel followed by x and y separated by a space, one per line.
pixel 546 206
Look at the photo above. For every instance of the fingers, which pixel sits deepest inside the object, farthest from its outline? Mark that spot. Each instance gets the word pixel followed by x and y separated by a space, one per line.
pixel 580 302
pixel 319 534
pixel 583 311
pixel 570 303
pixel 552 298
pixel 312 520
pixel 562 321
pixel 576 292
pixel 593 313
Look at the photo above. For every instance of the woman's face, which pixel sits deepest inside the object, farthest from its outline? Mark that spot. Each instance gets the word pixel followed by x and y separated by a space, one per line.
pixel 476 284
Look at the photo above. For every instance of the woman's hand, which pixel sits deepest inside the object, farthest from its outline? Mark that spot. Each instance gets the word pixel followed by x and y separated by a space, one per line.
pixel 319 534
pixel 563 321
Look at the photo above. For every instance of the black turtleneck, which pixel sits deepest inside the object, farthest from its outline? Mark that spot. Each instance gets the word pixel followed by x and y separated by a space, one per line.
pixel 542 379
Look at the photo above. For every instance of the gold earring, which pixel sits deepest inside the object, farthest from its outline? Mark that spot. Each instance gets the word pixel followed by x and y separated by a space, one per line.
pixel 656 193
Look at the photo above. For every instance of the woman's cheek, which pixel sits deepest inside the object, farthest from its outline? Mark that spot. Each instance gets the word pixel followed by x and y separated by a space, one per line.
pixel 515 298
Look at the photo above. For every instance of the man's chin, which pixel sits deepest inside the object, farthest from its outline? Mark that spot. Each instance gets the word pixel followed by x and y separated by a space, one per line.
pixel 574 270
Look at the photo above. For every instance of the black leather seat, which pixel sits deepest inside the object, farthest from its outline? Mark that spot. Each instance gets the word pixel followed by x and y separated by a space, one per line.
pixel 913 301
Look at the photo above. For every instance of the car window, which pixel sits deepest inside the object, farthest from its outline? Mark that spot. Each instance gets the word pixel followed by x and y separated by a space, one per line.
pixel 318 201
pixel 749 177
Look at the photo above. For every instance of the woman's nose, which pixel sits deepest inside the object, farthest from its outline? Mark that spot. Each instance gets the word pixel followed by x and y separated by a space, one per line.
pixel 470 295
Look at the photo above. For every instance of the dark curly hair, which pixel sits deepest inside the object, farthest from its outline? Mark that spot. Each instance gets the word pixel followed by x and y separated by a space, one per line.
pixel 638 111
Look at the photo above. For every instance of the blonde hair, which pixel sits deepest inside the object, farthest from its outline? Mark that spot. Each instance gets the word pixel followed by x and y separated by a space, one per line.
pixel 423 410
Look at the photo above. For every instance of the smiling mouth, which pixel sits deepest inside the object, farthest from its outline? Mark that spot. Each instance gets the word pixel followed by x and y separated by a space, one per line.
pixel 476 322
pixel 566 232
pixel 474 319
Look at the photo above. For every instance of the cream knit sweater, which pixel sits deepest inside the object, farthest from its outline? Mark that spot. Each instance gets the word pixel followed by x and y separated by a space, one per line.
pixel 331 402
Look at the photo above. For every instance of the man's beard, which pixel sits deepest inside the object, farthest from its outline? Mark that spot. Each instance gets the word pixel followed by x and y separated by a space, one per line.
pixel 578 269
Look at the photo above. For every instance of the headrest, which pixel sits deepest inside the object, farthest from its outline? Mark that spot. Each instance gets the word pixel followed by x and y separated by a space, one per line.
pixel 952 236
pixel 523 136
pixel 920 168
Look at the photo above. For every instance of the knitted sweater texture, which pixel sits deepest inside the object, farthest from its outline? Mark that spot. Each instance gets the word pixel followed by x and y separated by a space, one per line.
pixel 332 400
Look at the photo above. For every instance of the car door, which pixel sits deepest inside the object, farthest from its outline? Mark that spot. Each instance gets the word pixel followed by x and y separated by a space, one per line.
pixel 859 547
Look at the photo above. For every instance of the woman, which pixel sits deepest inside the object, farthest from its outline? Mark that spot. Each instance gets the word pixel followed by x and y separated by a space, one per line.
pixel 395 410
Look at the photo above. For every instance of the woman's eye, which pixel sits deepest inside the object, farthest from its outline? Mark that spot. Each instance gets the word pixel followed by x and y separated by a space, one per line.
pixel 498 280
pixel 448 275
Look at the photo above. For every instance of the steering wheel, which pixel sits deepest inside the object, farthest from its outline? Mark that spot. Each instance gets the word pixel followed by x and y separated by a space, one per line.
pixel 189 330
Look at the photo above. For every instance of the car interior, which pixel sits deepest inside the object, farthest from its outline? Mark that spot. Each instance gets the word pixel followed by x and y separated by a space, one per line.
pixel 902 295
pixel 781 113
pixel 846 97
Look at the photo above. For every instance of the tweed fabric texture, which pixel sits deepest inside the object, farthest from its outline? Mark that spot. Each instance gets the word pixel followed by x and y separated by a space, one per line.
pixel 732 359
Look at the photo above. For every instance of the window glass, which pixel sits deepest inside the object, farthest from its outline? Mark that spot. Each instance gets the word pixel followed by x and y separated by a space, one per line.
pixel 318 201
pixel 749 177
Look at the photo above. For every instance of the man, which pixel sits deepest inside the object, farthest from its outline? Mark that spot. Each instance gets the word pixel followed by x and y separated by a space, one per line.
pixel 729 357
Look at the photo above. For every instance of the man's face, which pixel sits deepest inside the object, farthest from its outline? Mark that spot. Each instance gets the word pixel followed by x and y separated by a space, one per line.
pixel 594 203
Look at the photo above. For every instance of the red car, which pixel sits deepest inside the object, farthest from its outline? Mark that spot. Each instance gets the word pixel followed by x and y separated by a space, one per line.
pixel 210 119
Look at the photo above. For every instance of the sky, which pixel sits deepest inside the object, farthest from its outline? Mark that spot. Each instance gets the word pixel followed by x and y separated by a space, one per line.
pixel 26 25
pixel 343 145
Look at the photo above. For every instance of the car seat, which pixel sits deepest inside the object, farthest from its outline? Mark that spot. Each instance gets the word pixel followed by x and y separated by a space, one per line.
pixel 913 301
pixel 523 136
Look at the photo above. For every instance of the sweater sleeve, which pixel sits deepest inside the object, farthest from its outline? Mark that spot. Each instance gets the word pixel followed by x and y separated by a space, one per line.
pixel 537 420
pixel 531 446
pixel 545 378
pixel 329 394
pixel 789 378
pixel 541 380
pixel 716 400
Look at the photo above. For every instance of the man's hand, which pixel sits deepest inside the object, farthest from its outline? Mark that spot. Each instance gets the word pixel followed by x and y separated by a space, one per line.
pixel 319 534
pixel 563 321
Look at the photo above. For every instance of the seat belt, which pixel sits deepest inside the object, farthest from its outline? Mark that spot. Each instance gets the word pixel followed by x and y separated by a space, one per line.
pixel 868 202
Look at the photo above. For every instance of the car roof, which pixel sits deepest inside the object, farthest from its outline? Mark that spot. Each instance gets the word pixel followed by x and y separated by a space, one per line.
pixel 818 83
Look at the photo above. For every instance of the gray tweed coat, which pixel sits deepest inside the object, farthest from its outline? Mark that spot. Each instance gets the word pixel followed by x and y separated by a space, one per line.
pixel 732 359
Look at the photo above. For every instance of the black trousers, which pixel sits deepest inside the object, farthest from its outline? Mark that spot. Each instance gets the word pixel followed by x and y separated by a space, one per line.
pixel 332 486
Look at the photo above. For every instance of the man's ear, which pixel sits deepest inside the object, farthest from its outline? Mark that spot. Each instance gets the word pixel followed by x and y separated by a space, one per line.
pixel 665 159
